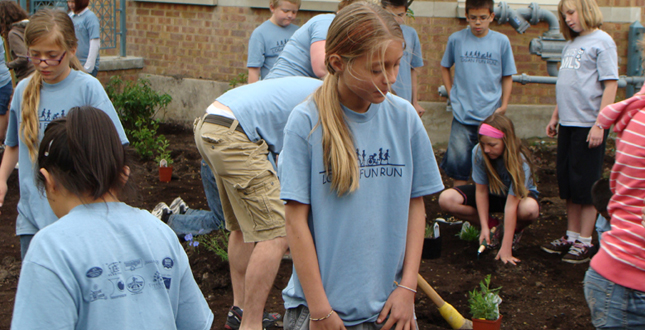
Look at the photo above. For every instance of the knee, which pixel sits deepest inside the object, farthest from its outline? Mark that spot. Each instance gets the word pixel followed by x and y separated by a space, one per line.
pixel 529 211
pixel 448 199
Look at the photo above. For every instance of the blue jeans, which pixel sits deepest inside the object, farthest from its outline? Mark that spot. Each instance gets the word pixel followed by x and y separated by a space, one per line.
pixel 5 97
pixel 194 221
pixel 457 162
pixel 602 225
pixel 613 306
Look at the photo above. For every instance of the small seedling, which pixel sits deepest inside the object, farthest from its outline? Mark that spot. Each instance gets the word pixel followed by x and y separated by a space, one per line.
pixel 468 233
pixel 484 303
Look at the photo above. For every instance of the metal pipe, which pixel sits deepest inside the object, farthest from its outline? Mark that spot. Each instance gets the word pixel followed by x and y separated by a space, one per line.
pixel 123 32
pixel 524 79
pixel 534 14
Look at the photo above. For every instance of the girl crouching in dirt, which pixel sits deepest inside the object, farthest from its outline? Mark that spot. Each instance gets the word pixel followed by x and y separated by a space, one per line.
pixel 503 176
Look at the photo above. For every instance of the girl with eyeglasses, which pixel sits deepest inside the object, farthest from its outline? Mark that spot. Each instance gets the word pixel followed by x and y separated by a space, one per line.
pixel 57 85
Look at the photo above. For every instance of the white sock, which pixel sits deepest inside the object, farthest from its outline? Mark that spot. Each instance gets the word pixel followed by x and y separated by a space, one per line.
pixel 572 236
pixel 585 240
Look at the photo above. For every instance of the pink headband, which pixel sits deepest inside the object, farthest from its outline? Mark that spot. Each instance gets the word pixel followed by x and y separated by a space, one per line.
pixel 491 131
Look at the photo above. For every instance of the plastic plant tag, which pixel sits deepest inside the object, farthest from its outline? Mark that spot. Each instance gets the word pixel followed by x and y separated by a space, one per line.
pixel 163 163
pixel 436 230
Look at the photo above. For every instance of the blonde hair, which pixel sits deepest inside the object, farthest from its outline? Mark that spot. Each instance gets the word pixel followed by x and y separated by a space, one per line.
pixel 42 24
pixel 360 29
pixel 514 156
pixel 588 13
pixel 276 3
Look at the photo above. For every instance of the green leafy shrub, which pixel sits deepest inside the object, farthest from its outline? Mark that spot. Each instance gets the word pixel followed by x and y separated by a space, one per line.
pixel 216 242
pixel 137 103
pixel 484 304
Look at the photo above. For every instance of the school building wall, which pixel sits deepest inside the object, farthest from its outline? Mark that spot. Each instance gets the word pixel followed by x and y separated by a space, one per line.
pixel 210 42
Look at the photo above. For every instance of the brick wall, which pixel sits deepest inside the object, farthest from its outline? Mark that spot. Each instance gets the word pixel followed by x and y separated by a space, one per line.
pixel 210 43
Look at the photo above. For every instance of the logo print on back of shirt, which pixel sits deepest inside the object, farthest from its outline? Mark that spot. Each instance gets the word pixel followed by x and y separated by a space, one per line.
pixel 135 284
pixel 167 263
pixel 94 272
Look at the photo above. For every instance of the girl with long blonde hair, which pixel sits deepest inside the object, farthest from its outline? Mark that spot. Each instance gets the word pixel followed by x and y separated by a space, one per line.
pixel 355 166
pixel 57 85
pixel 503 176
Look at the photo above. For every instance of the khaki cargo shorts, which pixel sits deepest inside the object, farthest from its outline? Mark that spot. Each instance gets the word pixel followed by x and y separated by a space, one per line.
pixel 247 182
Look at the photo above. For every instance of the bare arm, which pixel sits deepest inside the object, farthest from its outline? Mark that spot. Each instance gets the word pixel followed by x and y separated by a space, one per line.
pixel 510 222
pixel 507 87
pixel 305 260
pixel 596 134
pixel 447 79
pixel 415 98
pixel 481 200
pixel 317 54
pixel 552 126
pixel 9 161
pixel 254 75
pixel 400 303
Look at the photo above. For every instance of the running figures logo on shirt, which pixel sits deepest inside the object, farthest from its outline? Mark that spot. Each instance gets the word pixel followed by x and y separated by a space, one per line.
pixel 46 115
pixel 571 60
pixel 373 165
pixel 279 46
pixel 479 58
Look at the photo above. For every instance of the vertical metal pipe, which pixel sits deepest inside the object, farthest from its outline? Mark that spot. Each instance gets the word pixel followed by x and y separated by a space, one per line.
pixel 123 32
pixel 634 57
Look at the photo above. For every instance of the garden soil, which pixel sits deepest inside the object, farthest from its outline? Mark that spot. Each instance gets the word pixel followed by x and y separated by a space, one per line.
pixel 541 292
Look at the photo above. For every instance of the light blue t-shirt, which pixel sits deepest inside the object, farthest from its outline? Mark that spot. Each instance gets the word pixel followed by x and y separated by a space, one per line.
pixel 108 266
pixel 87 27
pixel 412 58
pixel 266 43
pixel 295 59
pixel 587 61
pixel 77 89
pixel 262 108
pixel 480 177
pixel 5 75
pixel 360 237
pixel 480 64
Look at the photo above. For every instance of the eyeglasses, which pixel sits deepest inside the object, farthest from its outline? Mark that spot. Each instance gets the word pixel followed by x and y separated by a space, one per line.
pixel 49 61
pixel 478 18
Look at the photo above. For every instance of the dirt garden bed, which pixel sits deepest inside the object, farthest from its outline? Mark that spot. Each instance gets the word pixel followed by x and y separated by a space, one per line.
pixel 540 293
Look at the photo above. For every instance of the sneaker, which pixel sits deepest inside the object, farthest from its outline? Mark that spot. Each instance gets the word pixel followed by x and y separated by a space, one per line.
pixel 178 206
pixel 449 220
pixel 516 239
pixel 578 253
pixel 558 246
pixel 234 318
pixel 162 212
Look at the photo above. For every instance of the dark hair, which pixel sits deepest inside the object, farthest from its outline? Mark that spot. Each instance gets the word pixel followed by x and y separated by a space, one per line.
pixel 10 12
pixel 600 195
pixel 396 3
pixel 80 5
pixel 480 4
pixel 83 153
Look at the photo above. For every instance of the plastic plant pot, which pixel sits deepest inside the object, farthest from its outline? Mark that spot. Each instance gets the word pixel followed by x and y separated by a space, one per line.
pixel 165 174
pixel 479 324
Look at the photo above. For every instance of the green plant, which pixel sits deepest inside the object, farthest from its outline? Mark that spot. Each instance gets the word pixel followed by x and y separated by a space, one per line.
pixel 163 152
pixel 241 78
pixel 429 232
pixel 484 303
pixel 468 233
pixel 137 103
pixel 216 242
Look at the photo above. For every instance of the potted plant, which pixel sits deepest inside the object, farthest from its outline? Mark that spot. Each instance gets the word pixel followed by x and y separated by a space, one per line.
pixel 164 160
pixel 431 242
pixel 484 305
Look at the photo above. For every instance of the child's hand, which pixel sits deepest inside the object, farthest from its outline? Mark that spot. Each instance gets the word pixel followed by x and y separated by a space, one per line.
pixel 331 323
pixel 484 236
pixel 506 255
pixel 551 128
pixel 595 136
pixel 500 110
pixel 400 307
pixel 420 110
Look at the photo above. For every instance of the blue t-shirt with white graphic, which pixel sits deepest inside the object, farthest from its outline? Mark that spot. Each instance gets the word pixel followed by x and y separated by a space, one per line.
pixel 359 237
pixel 108 265
pixel 480 64
pixel 77 89
pixel 262 108
pixel 87 27
pixel 480 177
pixel 587 61
pixel 266 44
pixel 295 59
pixel 412 58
